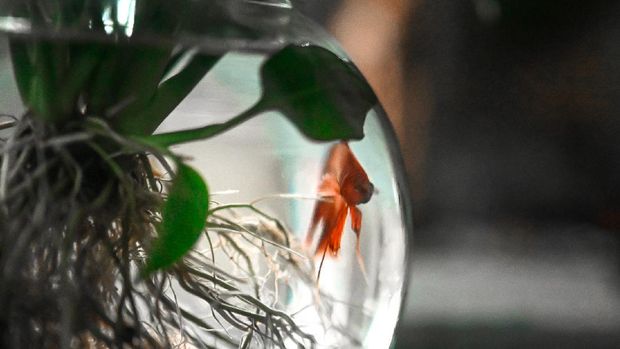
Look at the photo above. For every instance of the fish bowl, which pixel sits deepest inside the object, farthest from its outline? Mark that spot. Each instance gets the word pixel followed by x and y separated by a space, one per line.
pixel 203 174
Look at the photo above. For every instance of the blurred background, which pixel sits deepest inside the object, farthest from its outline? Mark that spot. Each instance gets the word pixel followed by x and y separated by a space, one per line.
pixel 508 115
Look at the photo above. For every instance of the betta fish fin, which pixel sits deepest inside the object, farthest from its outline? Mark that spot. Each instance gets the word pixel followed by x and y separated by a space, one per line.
pixel 356 225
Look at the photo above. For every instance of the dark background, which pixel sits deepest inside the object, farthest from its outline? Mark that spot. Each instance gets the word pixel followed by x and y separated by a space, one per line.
pixel 517 199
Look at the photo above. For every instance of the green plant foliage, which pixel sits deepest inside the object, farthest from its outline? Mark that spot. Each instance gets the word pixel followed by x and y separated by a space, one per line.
pixel 95 104
pixel 37 72
pixel 145 115
pixel 324 96
pixel 184 217
pixel 62 81
pixel 126 76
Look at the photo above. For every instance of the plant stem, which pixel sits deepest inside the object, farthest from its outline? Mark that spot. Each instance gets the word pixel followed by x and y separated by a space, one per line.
pixel 171 138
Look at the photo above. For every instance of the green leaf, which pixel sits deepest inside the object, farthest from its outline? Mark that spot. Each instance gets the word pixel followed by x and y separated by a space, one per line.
pixel 35 68
pixel 184 217
pixel 126 75
pixel 22 68
pixel 141 70
pixel 143 119
pixel 326 97
pixel 83 59
pixel 51 75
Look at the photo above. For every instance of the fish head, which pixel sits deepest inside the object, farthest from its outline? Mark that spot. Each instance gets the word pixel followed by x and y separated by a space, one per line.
pixel 357 190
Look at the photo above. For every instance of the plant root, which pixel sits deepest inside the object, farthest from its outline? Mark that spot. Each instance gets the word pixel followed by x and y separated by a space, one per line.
pixel 78 213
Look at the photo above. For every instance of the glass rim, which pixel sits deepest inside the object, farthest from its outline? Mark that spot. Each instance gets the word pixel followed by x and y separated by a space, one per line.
pixel 210 25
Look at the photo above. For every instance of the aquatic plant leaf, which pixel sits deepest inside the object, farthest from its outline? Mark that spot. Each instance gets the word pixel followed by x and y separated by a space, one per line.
pixel 143 119
pixel 56 78
pixel 22 68
pixel 126 75
pixel 33 65
pixel 325 96
pixel 80 65
pixel 184 217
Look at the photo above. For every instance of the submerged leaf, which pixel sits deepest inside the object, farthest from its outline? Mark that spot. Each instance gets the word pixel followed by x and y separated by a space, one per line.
pixel 326 97
pixel 126 74
pixel 22 68
pixel 183 219
pixel 35 67
pixel 143 119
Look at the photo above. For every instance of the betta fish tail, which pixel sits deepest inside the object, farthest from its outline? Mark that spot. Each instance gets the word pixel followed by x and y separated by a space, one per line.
pixel 332 231
pixel 333 227
pixel 328 189
pixel 356 225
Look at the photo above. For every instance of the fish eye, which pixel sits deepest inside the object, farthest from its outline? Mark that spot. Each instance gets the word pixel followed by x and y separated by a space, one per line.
pixel 365 191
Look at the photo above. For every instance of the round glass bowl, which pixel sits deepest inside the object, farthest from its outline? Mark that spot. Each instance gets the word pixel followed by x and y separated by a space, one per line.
pixel 264 178
pixel 269 163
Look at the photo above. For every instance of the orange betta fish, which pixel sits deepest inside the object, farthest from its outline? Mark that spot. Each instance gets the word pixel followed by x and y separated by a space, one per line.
pixel 344 185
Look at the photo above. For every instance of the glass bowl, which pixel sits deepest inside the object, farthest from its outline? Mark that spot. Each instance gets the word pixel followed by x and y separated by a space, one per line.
pixel 264 178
